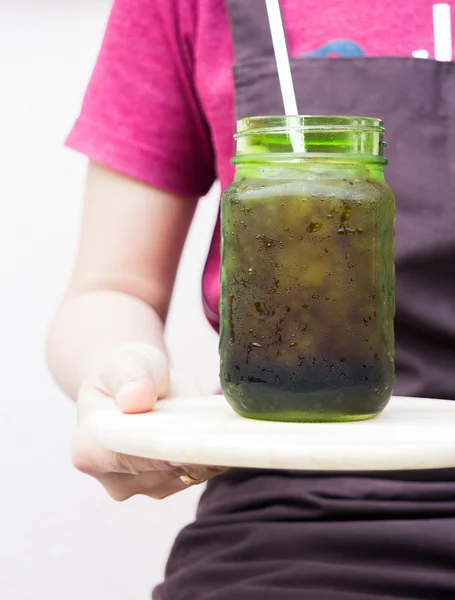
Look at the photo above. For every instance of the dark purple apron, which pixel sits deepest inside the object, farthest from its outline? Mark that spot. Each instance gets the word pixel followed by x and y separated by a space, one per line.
pixel 264 535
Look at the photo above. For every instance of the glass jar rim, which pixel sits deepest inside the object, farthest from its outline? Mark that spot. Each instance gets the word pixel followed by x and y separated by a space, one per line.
pixel 309 137
pixel 263 124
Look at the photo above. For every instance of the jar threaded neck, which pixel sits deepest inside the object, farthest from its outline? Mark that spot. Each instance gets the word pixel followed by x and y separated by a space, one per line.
pixel 284 139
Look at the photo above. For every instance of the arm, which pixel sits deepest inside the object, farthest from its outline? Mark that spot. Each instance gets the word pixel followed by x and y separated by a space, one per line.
pixel 141 116
pixel 131 241
pixel 105 344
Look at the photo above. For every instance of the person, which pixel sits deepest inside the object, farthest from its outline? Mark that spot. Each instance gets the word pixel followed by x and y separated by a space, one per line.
pixel 157 124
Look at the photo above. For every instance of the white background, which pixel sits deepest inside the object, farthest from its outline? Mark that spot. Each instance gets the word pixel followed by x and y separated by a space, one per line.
pixel 61 537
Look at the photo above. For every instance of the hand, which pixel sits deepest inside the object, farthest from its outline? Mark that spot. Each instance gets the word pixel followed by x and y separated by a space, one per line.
pixel 134 376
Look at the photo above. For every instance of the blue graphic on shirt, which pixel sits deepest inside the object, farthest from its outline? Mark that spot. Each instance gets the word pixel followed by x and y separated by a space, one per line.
pixel 340 48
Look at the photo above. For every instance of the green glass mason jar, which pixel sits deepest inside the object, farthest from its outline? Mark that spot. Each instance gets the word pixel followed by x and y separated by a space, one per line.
pixel 307 273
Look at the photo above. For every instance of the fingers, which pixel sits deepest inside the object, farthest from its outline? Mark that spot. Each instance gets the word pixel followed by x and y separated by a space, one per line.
pixel 124 476
pixel 137 396
pixel 135 375
pixel 158 483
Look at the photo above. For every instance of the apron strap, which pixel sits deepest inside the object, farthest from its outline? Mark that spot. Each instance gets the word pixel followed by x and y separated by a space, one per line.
pixel 250 29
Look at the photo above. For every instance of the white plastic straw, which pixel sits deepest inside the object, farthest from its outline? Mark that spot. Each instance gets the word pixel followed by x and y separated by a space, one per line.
pixel 284 70
pixel 442 28
pixel 282 57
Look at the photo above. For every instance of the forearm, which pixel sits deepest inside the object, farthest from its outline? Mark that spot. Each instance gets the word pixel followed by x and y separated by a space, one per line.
pixel 88 324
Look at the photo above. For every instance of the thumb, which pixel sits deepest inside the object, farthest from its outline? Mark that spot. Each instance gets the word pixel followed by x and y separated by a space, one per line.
pixel 136 376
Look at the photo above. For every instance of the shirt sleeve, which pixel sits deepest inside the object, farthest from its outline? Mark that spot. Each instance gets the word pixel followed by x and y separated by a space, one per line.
pixel 141 115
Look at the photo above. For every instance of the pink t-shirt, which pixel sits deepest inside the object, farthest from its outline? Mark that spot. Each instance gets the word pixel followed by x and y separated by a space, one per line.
pixel 160 104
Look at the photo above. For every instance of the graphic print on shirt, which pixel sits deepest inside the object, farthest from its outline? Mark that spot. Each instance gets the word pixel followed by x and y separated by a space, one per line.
pixel 337 48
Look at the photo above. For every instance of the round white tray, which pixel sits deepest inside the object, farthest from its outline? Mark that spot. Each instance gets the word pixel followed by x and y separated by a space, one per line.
pixel 412 433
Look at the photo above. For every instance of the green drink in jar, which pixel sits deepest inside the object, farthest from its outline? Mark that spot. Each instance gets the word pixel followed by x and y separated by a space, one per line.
pixel 307 272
